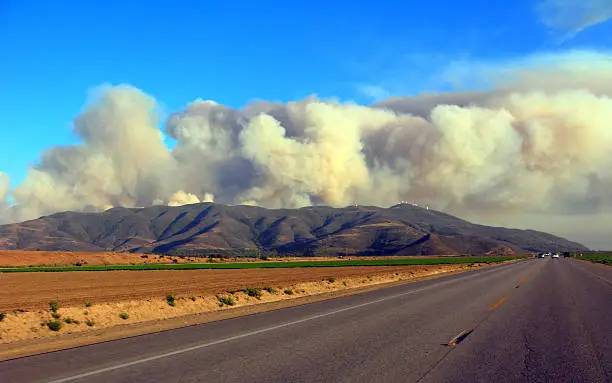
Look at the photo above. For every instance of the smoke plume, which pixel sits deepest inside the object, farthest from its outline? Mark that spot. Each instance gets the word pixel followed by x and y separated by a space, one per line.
pixel 573 16
pixel 536 142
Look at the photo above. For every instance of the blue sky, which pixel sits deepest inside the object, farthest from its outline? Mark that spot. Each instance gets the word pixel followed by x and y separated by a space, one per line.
pixel 53 53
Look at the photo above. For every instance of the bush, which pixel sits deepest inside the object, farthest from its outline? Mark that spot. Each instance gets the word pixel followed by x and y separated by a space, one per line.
pixel 193 298
pixel 344 283
pixel 90 322
pixel 56 315
pixel 271 290
pixel 232 292
pixel 54 325
pixel 124 316
pixel 70 320
pixel 171 300
pixel 253 292
pixel 53 306
pixel 2 316
pixel 88 304
pixel 288 292
pixel 331 280
pixel 226 301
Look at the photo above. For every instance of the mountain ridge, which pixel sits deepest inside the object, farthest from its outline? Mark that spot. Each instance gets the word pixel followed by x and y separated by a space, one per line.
pixel 402 229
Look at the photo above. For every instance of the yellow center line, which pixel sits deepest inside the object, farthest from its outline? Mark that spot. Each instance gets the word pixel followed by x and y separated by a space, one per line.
pixel 498 303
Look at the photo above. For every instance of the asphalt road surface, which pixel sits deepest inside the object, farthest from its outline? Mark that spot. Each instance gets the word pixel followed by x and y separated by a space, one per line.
pixel 541 320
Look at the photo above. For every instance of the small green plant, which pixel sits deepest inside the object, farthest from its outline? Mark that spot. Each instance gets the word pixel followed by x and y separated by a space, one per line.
pixel 231 291
pixel 171 299
pixel 2 316
pixel 253 292
pixel 124 316
pixel 53 306
pixel 344 283
pixel 271 290
pixel 54 325
pixel 288 292
pixel 90 322
pixel 193 298
pixel 331 280
pixel 88 304
pixel 71 321
pixel 225 301
pixel 56 315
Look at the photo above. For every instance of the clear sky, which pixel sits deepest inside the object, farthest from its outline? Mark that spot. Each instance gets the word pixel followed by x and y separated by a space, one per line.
pixel 52 53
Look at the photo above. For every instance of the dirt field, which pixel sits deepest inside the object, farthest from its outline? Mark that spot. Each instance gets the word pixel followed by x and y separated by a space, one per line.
pixel 15 258
pixel 120 298
pixel 31 291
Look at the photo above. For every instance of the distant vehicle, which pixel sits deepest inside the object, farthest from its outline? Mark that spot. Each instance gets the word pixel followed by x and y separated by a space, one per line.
pixel 555 255
pixel 541 255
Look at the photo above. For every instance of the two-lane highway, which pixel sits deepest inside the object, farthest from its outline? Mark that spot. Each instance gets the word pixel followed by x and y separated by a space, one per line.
pixel 537 320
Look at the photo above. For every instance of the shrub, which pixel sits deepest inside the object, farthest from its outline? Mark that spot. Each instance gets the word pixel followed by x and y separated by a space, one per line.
pixel 88 304
pixel 90 322
pixel 54 325
pixel 271 290
pixel 70 320
pixel 56 315
pixel 253 292
pixel 225 301
pixel 53 306
pixel 124 316
pixel 171 300
pixel 344 283
pixel 2 316
pixel 232 292
pixel 331 280
pixel 193 298
pixel 288 292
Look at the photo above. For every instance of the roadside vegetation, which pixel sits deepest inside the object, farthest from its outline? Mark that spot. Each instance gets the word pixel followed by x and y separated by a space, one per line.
pixel 171 299
pixel 602 258
pixel 408 261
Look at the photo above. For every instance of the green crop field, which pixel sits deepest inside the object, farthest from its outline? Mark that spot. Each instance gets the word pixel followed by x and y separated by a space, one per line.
pixel 606 259
pixel 267 265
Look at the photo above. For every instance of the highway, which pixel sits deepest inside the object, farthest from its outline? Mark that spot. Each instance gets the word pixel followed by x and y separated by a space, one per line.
pixel 539 320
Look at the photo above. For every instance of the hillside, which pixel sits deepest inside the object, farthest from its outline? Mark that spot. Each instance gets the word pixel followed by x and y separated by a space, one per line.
pixel 362 230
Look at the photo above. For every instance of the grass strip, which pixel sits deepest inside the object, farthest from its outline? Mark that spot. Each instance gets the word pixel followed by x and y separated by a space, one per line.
pixel 264 265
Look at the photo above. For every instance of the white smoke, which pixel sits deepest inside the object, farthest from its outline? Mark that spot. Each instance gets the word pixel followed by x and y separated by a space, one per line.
pixel 180 198
pixel 573 16
pixel 536 142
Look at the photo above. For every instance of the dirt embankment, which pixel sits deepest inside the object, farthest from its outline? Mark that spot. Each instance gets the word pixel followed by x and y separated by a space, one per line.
pixel 93 300
pixel 33 291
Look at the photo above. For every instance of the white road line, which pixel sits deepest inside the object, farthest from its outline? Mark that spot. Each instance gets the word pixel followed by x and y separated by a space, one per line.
pixel 256 332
